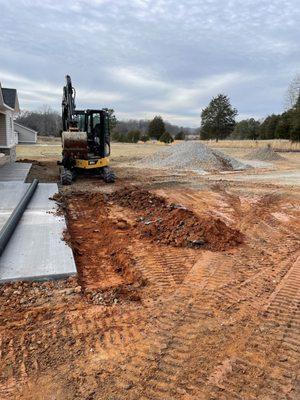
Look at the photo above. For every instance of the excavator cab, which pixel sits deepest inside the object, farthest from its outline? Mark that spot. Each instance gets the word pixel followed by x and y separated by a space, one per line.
pixel 85 140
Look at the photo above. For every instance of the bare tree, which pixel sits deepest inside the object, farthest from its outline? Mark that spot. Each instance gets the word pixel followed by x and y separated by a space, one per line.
pixel 293 92
pixel 46 122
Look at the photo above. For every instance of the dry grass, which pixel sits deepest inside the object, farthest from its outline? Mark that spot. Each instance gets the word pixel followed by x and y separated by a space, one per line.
pixel 277 144
pixel 38 151
pixel 133 151
pixel 48 139
pixel 50 148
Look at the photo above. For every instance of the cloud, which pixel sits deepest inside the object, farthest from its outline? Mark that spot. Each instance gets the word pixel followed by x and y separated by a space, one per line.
pixel 45 93
pixel 132 76
pixel 151 57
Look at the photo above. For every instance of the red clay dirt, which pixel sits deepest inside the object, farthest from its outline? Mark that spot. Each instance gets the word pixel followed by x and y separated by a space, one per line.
pixel 100 237
pixel 151 319
pixel 100 244
pixel 173 224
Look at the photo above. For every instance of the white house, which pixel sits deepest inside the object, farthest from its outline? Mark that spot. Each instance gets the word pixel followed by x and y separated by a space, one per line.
pixel 25 134
pixel 9 106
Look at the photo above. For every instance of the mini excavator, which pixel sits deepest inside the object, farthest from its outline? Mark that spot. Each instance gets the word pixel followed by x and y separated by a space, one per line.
pixel 85 140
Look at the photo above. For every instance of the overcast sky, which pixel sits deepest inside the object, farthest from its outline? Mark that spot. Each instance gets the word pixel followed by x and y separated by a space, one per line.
pixel 148 57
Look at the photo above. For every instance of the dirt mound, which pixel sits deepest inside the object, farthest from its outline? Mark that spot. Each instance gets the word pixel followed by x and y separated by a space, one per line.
pixel 265 154
pixel 28 161
pixel 192 155
pixel 172 224
pixel 138 199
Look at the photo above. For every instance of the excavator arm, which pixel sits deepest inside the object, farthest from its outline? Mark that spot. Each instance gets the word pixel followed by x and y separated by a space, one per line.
pixel 68 105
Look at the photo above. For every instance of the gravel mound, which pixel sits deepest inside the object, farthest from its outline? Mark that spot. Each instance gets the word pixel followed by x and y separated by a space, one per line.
pixel 192 155
pixel 265 154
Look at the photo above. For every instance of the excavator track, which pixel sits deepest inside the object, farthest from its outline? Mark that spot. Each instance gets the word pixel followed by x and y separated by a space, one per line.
pixel 108 175
pixel 66 176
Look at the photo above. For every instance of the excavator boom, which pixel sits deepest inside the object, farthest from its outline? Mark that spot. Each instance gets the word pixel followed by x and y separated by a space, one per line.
pixel 68 105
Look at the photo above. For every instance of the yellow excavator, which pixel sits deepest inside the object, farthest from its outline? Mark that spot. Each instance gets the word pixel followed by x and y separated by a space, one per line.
pixel 85 140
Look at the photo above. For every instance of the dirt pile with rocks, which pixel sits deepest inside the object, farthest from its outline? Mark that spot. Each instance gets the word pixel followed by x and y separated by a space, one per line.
pixel 192 155
pixel 175 225
pixel 265 154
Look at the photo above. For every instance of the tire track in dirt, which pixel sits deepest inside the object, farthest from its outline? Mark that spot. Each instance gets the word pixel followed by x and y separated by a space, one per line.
pixel 154 371
pixel 268 366
pixel 179 345
pixel 178 331
pixel 159 357
pixel 164 268
pixel 263 370
pixel 176 344
pixel 23 353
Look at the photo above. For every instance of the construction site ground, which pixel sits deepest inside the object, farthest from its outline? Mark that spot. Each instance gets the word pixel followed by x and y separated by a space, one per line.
pixel 187 288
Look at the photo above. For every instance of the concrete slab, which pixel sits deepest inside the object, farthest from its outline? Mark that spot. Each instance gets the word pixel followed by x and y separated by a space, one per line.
pixel 35 250
pixel 11 193
pixel 14 172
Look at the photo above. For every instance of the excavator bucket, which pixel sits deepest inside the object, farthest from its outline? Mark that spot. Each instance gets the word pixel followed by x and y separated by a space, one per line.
pixel 75 144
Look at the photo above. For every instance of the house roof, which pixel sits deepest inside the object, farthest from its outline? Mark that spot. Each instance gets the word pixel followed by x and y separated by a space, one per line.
pixel 16 125
pixel 9 98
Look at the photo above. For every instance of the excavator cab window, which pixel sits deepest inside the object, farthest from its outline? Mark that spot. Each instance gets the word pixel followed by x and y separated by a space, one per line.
pixel 106 136
pixel 96 119
pixel 81 122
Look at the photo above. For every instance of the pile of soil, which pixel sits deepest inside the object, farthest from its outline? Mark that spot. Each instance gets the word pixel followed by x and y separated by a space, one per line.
pixel 265 154
pixel 172 224
pixel 194 156
pixel 29 161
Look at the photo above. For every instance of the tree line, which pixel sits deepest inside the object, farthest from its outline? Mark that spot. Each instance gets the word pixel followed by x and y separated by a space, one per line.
pixel 133 131
pixel 218 120
pixel 46 122
pixel 275 126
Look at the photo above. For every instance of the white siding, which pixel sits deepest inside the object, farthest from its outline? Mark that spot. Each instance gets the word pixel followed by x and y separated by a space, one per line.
pixel 25 135
pixel 7 133
pixel 3 137
pixel 10 129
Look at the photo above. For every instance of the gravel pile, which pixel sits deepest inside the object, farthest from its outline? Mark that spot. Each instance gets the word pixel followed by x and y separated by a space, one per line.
pixel 194 156
pixel 264 154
